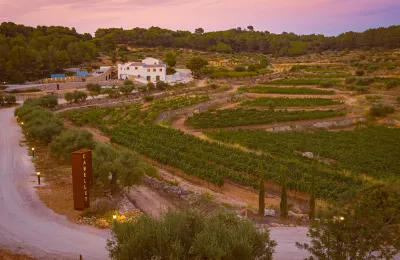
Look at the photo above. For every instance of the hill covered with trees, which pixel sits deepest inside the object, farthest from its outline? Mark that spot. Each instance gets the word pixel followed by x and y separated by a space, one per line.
pixel 28 53
pixel 248 40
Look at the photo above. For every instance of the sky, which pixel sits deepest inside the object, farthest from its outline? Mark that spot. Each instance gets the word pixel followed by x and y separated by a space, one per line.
pixel 329 17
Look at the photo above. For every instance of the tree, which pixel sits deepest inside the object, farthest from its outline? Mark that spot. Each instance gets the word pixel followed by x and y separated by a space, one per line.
pixel 261 193
pixel 196 63
pixel 284 204
pixel 9 99
pixel 170 58
pixel 271 105
pixel 69 141
pixel 161 85
pixel 76 96
pixel 128 82
pixel 251 28
pixel 222 47
pixel 240 69
pixel 93 87
pixel 189 235
pixel 311 212
pixel 43 126
pixel 171 71
pixel 366 226
pixel 126 89
pixel 199 31
pixel 69 97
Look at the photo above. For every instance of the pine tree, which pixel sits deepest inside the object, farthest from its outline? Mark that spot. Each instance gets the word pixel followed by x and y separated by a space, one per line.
pixel 284 204
pixel 311 213
pixel 261 195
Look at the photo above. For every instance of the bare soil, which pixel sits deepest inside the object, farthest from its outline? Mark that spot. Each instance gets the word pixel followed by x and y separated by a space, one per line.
pixel 8 255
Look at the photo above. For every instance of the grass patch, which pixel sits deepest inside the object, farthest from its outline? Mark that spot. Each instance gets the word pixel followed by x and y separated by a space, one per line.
pixel 243 117
pixel 295 91
pixel 298 82
pixel 290 102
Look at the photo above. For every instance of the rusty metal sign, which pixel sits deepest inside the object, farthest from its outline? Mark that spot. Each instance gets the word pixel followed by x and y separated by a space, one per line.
pixel 82 178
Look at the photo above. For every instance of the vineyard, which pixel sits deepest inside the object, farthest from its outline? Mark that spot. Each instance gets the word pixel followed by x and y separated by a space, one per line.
pixel 352 150
pixel 290 102
pixel 294 91
pixel 130 114
pixel 298 82
pixel 243 117
pixel 215 163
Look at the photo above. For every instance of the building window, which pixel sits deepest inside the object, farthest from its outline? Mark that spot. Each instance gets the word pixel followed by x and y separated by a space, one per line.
pixel 154 70
pixel 148 70
pixel 155 63
pixel 148 78
pixel 160 70
pixel 157 78
pixel 127 68
pixel 135 68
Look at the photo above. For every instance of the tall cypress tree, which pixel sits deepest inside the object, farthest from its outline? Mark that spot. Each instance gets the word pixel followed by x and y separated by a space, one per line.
pixel 284 203
pixel 311 213
pixel 261 195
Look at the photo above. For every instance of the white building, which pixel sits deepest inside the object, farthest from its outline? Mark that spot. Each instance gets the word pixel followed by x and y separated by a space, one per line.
pixel 149 70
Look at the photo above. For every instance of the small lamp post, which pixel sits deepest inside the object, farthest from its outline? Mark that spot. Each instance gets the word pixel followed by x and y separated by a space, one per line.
pixel 115 218
pixel 33 152
pixel 38 177
pixel 22 123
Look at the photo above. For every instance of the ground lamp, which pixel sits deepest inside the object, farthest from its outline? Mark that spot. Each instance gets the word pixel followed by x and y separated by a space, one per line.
pixel 38 177
pixel 33 152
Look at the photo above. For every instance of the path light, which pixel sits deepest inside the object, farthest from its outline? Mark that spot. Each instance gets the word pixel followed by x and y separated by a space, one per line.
pixel 33 152
pixel 22 123
pixel 38 177
pixel 114 217
pixel 342 218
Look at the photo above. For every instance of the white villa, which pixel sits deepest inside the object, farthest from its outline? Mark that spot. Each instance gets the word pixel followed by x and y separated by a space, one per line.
pixel 149 70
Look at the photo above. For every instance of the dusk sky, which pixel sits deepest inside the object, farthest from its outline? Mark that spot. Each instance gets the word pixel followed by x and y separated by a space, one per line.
pixel 329 17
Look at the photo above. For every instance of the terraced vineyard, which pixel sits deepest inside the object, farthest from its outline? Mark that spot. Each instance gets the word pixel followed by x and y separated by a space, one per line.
pixel 373 151
pixel 294 91
pixel 243 117
pixel 290 102
pixel 298 82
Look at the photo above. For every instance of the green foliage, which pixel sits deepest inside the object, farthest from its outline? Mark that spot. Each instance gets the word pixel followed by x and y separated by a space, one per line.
pixel 112 93
pixel 261 195
pixel 161 85
pixel 240 117
pixel 311 202
pixel 297 48
pixel 283 205
pixel 373 98
pixel 365 228
pixel 93 87
pixel 128 82
pixel 69 141
pixel 364 81
pixel 350 150
pixel 196 63
pixel 233 74
pixel 361 89
pixel 240 69
pixel 29 53
pixel 298 82
pixel 76 96
pixel 293 90
pixel 48 101
pixel 360 73
pixel 326 84
pixel 350 80
pixel 391 84
pixel 290 102
pixel 170 58
pixel 171 71
pixel 126 89
pixel 222 47
pixel 188 235
pixel 148 98
pixel 381 110
pixel 7 100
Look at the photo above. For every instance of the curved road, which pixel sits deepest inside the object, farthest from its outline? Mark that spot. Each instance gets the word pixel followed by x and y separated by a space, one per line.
pixel 26 224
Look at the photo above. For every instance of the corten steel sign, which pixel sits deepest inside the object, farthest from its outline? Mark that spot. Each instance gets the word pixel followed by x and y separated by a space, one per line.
pixel 82 178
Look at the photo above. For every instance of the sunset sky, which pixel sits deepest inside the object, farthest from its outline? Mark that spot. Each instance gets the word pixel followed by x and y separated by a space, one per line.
pixel 329 17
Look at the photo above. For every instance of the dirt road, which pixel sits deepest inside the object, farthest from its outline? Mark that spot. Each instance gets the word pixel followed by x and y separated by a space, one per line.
pixel 25 222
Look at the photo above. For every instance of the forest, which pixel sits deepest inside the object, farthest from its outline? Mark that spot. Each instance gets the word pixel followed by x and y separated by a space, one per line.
pixel 28 53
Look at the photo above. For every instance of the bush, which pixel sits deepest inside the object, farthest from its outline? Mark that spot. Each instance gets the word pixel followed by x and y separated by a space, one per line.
pixel 161 85
pixel 350 80
pixel 148 98
pixel 391 84
pixel 92 87
pixel 381 110
pixel 364 81
pixel 189 235
pixel 240 69
pixel 28 90
pixel 128 82
pixel 360 73
pixel 150 86
pixel 7 100
pixel 126 89
pixel 112 93
pixel 326 84
pixel 361 89
pixel 251 67
pixel 171 71
pixel 69 141
pixel 42 125
pixel 101 207
pixel 373 98
pixel 76 96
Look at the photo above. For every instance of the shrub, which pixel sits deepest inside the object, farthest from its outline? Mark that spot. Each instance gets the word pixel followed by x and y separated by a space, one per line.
pixel 69 97
pixel 381 110
pixel 360 73
pixel 101 207
pixel 161 85
pixel 364 81
pixel 128 82
pixel 171 71
pixel 150 86
pixel 42 125
pixel 92 87
pixel 70 141
pixel 373 98
pixel 391 84
pixel 7 100
pixel 326 84
pixel 28 90
pixel 251 67
pixel 148 98
pixel 240 69
pixel 189 235
pixel 76 96
pixel 350 80
pixel 126 89
pixel 361 89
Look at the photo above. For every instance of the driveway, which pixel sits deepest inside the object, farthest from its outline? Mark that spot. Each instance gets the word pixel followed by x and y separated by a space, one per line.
pixel 26 224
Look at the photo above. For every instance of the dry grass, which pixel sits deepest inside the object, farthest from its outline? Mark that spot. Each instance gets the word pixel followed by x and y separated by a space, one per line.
pixel 7 255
